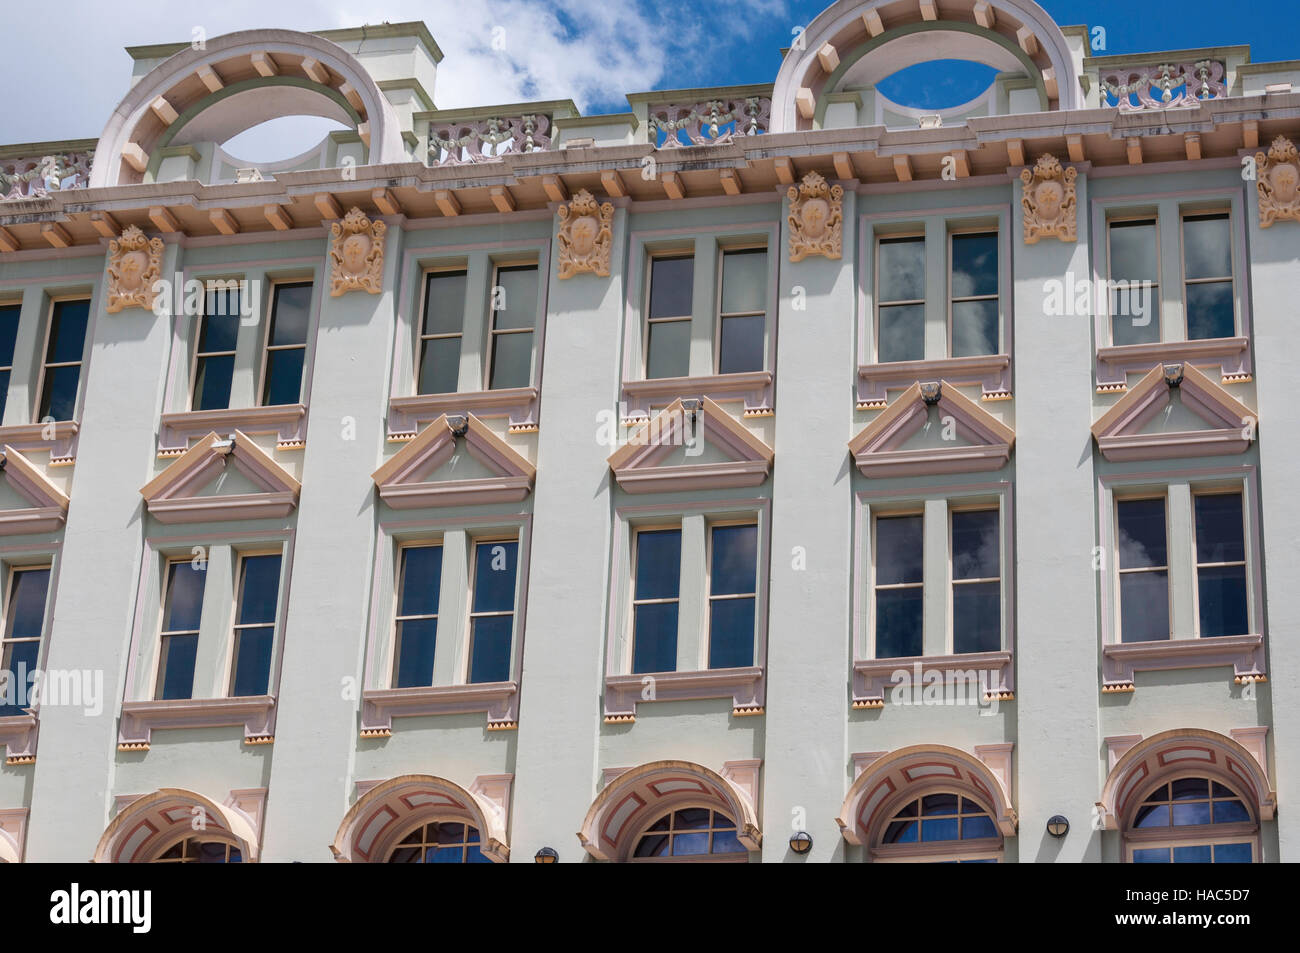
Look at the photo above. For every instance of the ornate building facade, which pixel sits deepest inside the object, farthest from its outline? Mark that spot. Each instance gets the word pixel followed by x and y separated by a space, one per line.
pixel 769 473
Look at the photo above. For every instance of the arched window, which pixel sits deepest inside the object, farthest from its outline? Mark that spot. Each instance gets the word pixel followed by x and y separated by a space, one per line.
pixel 942 827
pixel 1192 820
pixel 440 842
pixel 691 833
pixel 193 850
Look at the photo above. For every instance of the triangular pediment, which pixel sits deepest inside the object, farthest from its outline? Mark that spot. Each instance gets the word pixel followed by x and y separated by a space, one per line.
pixel 218 478
pixel 34 504
pixel 1175 411
pixel 689 446
pixel 932 428
pixel 456 460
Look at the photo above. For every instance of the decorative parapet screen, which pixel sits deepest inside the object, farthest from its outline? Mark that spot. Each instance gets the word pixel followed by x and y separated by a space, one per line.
pixel 1165 86
pixel 708 123
pixel 35 177
pixel 481 140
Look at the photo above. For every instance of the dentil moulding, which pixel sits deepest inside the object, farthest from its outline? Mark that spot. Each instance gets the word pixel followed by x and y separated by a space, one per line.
pixel 357 254
pixel 586 236
pixel 1049 201
pixel 816 218
pixel 134 264
pixel 1279 182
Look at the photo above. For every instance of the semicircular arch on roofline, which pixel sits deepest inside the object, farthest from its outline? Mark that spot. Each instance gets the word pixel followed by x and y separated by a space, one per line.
pixel 237 81
pixel 1179 753
pixel 634 799
pixel 891 780
pixel 389 811
pixel 857 43
pixel 147 826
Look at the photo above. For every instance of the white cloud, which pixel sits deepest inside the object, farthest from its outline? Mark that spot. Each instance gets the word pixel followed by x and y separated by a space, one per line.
pixel 591 51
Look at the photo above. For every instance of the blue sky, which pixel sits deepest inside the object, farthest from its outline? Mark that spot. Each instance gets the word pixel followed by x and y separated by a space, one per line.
pixel 593 51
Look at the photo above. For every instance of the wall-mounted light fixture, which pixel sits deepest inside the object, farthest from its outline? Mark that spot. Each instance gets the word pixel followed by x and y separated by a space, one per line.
pixel 1058 825
pixel 801 842
pixel 546 855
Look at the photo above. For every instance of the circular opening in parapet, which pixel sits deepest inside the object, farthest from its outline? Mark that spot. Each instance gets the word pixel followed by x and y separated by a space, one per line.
pixel 937 84
pixel 281 138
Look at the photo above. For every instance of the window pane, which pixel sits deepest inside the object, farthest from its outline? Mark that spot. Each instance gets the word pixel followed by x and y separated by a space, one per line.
pixel 901 270
pixel 1186 789
pixel 726 842
pixel 184 597
pixel 9 315
pixel 974 828
pixel 744 281
pixel 494 576
pixel 1133 251
pixel 220 323
pixel 212 382
pixel 1190 813
pixel 490 649
pixel 19 662
pixel 658 563
pixel 933 804
pixel 1199 854
pixel 898 549
pixel 421 576
pixel 1151 855
pixel 1134 316
pixel 734 559
pixel 1220 531
pixel 942 829
pixel 977 617
pixel 671 282
pixel 654 638
pixel 512 360
pixel 974 265
pixel 4 392
pixel 975 545
pixel 690 844
pixel 1229 812
pixel 731 633
pixel 901 832
pixel 1141 533
pixel 27 603
pixel 1210 311
pixel 518 298
pixel 692 818
pixel 444 302
pixel 1144 606
pixel 1207 247
pixel 68 331
pixel 974 327
pixel 902 333
pixel 252 661
pixel 1232 853
pixel 289 314
pixel 176 667
pixel 259 588
pixel 413 658
pixel 670 347
pixel 1222 594
pixel 898 622
pixel 1152 816
pixel 59 395
pixel 440 366
pixel 283 377
pixel 741 347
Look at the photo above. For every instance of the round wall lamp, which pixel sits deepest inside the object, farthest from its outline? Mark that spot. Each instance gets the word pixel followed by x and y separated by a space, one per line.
pixel 546 855
pixel 1058 826
pixel 801 842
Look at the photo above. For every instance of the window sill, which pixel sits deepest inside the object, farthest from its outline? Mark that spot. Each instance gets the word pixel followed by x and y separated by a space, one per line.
pixel 1115 363
pixel 405 414
pixel 62 445
pixel 140 718
pixel 287 421
pixel 500 700
pixel 754 388
pixel 873 677
pixel 746 686
pixel 18 735
pixel 1245 653
pixel 991 371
